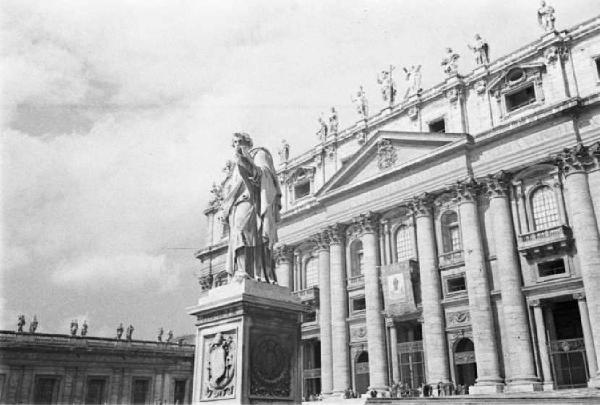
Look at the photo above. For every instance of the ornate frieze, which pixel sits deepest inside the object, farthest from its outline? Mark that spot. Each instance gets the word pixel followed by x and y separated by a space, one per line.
pixel 358 333
pixel 422 205
pixel 576 159
pixel 270 374
pixel 283 253
pixel 497 185
pixel 219 368
pixel 386 154
pixel 336 234
pixel 458 319
pixel 367 223
pixel 321 240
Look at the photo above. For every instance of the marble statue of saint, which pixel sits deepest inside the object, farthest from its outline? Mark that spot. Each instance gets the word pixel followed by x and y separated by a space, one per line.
pixel 160 335
pixel 33 325
pixel 413 78
pixel 333 121
pixel 388 86
pixel 449 62
pixel 20 323
pixel 545 16
pixel 322 132
pixel 74 327
pixel 284 151
pixel 84 328
pixel 169 336
pixel 120 331
pixel 481 50
pixel 129 333
pixel 362 105
pixel 251 208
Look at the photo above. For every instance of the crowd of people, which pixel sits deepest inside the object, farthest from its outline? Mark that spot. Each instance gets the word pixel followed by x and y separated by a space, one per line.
pixel 403 390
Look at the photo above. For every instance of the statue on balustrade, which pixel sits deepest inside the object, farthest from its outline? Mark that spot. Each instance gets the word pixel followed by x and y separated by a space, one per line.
pixel 449 63
pixel 160 334
pixel 361 102
pixel 74 327
pixel 388 86
pixel 481 50
pixel 169 336
pixel 120 331
pixel 33 325
pixel 333 122
pixel 84 328
pixel 129 333
pixel 20 323
pixel 546 16
pixel 413 78
pixel 322 132
pixel 251 208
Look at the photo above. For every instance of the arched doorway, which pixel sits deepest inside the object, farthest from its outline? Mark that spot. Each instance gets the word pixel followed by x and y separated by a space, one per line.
pixel 464 361
pixel 361 372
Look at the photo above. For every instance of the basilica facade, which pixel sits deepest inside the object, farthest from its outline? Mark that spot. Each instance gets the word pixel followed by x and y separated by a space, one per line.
pixel 454 236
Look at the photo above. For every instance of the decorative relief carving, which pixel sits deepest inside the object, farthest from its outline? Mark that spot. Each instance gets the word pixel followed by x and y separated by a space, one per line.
pixel 413 112
pixel 219 366
pixel 497 185
pixel 367 223
pixel 283 253
pixel 270 374
pixel 422 205
pixel 480 86
pixel 467 190
pixel 579 296
pixel 386 154
pixel 460 318
pixel 321 240
pixel 453 94
pixel 576 159
pixel 554 53
pixel 336 234
pixel 358 333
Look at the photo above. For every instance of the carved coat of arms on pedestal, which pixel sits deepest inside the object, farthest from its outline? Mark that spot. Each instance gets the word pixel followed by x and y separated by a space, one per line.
pixel 270 374
pixel 219 367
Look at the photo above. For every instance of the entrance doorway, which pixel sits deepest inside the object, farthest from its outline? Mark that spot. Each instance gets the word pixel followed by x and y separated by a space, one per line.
pixel 361 373
pixel 566 345
pixel 464 361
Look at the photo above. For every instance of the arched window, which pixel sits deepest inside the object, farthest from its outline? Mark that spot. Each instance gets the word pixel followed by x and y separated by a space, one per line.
pixel 356 258
pixel 312 273
pixel 404 243
pixel 544 209
pixel 450 232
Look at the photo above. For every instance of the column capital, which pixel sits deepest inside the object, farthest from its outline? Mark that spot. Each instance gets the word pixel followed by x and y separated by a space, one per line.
pixel 535 303
pixel 321 239
pixel 577 159
pixel 579 296
pixel 497 185
pixel 422 205
pixel 283 253
pixel 467 190
pixel 336 234
pixel 389 322
pixel 367 222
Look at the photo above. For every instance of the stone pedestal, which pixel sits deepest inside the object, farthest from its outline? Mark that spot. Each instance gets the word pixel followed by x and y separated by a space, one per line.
pixel 247 344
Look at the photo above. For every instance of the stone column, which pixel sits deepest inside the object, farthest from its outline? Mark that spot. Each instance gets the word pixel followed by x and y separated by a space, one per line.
pixel 574 162
pixel 434 333
pixel 594 178
pixel 587 332
pixel 339 312
pixel 367 224
pixel 478 291
pixel 284 256
pixel 540 329
pixel 520 371
pixel 389 322
pixel 322 241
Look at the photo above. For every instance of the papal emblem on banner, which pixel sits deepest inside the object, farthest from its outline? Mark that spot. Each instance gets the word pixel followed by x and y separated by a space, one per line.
pixel 397 288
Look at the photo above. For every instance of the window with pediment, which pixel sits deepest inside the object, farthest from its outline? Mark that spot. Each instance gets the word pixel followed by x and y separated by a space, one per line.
pixel 404 243
pixel 356 258
pixel 300 182
pixel 451 240
pixel 544 208
pixel 518 87
pixel 312 273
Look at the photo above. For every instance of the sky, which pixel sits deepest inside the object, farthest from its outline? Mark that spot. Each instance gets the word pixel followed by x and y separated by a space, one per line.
pixel 117 116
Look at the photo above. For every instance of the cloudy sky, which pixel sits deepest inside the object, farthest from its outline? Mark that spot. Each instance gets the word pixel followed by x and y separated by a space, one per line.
pixel 117 115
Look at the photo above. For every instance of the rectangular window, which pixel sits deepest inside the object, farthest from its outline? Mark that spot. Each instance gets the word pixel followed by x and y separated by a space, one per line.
pixel 140 391
pixel 46 390
pixel 551 268
pixel 96 391
pixel 520 98
pixel 179 392
pixel 456 284
pixel 438 126
pixel 301 190
pixel 358 304
pixel 309 317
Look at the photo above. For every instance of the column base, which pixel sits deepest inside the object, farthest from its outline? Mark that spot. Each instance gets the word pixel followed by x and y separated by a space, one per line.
pixel 548 386
pixel 484 388
pixel 524 386
pixel 594 382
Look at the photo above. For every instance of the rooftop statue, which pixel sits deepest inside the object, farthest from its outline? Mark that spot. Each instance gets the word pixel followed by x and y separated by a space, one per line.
pixel 20 323
pixel 333 121
pixel 74 327
pixel 388 86
pixel 251 208
pixel 84 328
pixel 545 16
pixel 413 79
pixel 481 50
pixel 284 151
pixel 129 333
pixel 449 62
pixel 33 325
pixel 322 132
pixel 160 334
pixel 120 331
pixel 169 336
pixel 362 105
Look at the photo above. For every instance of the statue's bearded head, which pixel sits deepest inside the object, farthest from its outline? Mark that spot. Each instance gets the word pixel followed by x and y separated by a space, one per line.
pixel 241 141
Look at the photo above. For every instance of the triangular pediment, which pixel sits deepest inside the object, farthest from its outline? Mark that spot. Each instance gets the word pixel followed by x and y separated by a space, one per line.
pixel 386 152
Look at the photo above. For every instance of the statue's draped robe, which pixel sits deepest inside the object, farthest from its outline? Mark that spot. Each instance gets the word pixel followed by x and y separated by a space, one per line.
pixel 252 207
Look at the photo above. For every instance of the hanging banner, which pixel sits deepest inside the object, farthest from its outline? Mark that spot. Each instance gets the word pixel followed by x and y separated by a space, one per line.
pixel 397 288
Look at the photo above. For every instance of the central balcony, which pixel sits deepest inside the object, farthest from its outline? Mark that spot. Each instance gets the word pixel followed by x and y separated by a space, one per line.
pixel 545 241
pixel 451 258
pixel 310 294
pixel 356 281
